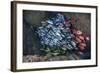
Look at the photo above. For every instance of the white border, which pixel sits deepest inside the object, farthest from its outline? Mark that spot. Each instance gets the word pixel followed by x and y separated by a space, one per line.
pixel 21 65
